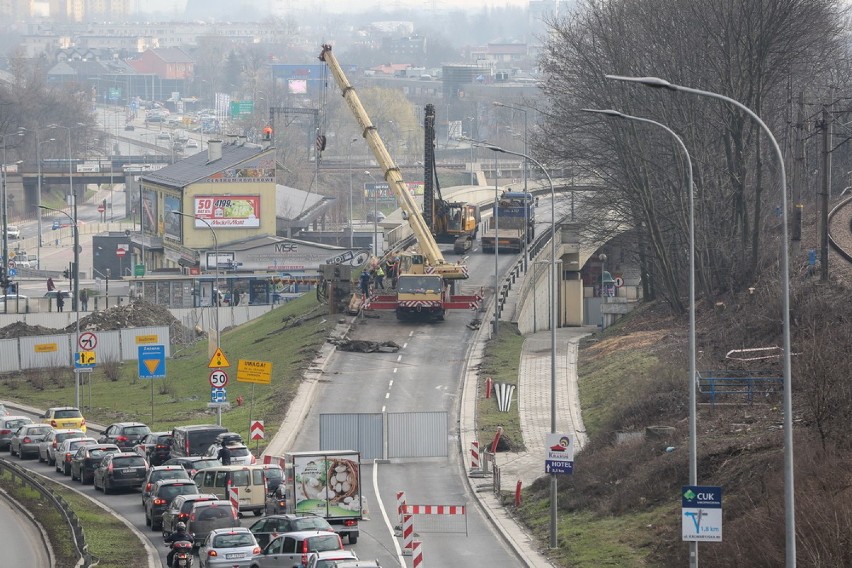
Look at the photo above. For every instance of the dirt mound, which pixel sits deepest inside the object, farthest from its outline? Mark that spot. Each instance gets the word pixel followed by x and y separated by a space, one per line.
pixel 135 314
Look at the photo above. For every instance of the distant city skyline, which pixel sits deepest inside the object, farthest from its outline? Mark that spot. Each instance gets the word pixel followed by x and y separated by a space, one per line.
pixel 341 6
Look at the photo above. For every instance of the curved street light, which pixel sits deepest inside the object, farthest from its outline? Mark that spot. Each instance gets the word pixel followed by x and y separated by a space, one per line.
pixel 693 452
pixel 789 495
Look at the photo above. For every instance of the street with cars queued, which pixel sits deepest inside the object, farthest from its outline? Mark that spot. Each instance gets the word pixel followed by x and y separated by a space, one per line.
pixel 194 483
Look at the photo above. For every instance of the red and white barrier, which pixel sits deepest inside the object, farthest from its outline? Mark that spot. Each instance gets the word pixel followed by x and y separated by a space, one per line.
pixel 234 496
pixel 474 456
pixel 433 510
pixel 417 554
pixel 496 439
pixel 400 504
pixel 407 534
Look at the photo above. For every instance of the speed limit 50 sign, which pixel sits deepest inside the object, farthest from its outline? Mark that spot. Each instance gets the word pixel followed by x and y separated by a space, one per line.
pixel 218 378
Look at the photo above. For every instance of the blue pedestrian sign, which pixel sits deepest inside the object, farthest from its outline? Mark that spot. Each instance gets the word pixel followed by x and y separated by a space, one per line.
pixel 559 453
pixel 152 361
pixel 701 513
pixel 218 395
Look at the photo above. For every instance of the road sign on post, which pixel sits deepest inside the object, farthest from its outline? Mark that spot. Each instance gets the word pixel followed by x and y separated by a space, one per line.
pixel 701 513
pixel 259 372
pixel 218 379
pixel 152 361
pixel 256 430
pixel 559 450
pixel 88 341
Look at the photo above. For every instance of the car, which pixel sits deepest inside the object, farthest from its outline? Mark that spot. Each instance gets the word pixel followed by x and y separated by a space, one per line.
pixel 120 469
pixel 129 127
pixel 66 451
pixel 47 447
pixel 13 299
pixel 161 496
pixel 155 447
pixel 193 464
pixel 20 262
pixel 8 426
pixel 267 528
pixel 291 550
pixel 358 564
pixel 164 136
pixel 125 435
pixel 56 224
pixel 3 411
pixel 207 516
pixel 159 472
pixel 330 558
pixel 24 443
pixel 375 217
pixel 64 417
pixel 13 232
pixel 191 144
pixel 231 547
pixel 179 510
pixel 240 454
pixel 87 458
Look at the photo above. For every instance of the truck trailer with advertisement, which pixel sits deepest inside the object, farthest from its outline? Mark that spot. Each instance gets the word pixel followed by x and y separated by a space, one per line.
pixel 327 484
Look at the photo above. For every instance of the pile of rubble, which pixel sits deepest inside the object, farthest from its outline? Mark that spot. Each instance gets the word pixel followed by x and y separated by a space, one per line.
pixel 135 314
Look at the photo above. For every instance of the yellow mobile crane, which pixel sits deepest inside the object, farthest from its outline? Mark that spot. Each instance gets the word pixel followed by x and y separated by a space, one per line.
pixel 421 289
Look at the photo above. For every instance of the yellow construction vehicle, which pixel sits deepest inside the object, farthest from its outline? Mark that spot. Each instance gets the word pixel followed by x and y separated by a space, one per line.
pixel 425 279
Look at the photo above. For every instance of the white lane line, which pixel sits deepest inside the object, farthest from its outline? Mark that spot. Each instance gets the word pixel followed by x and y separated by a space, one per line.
pixel 398 358
pixel 411 333
pixel 395 369
pixel 387 395
pixel 404 345
pixel 385 513
pixel 383 410
pixel 390 384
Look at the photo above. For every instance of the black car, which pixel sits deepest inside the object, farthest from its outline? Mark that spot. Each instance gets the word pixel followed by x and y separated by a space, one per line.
pixel 125 435
pixel 269 527
pixel 193 463
pixel 87 458
pixel 159 472
pixel 156 447
pixel 161 497
pixel 120 469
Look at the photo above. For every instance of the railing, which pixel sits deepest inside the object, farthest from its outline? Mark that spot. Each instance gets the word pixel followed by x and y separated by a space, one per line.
pixel 62 507
pixel 741 384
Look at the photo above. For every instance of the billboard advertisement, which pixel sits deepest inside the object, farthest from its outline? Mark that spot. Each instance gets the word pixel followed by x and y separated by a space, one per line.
pixel 227 211
pixel 171 223
pixel 328 486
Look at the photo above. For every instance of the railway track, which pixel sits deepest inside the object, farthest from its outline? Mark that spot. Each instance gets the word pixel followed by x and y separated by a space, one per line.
pixel 840 229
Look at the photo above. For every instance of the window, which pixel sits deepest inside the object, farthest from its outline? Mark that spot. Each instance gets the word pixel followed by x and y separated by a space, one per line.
pixel 257 477
pixel 240 478
pixel 274 547
pixel 221 479
pixel 323 543
pixel 289 546
pixel 71 413
pixel 129 462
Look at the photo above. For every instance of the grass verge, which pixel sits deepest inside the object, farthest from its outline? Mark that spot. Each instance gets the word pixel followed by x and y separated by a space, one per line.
pixel 500 362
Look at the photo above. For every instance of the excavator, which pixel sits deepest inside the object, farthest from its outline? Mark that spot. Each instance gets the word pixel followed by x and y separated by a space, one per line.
pixel 425 280
pixel 450 222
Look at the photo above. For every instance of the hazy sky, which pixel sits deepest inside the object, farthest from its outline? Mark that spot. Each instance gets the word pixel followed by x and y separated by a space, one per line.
pixel 349 5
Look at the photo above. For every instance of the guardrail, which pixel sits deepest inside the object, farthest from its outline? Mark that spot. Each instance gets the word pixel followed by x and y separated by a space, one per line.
pixel 62 507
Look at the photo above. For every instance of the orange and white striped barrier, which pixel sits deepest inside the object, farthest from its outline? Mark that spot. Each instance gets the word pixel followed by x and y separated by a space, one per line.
pixel 234 497
pixel 433 510
pixel 407 534
pixel 474 456
pixel 417 554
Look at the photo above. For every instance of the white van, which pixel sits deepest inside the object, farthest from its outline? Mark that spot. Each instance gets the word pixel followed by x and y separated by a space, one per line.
pixel 249 480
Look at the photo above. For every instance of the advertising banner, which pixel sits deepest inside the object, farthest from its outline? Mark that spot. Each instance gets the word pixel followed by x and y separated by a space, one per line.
pixel 228 211
pixel 327 486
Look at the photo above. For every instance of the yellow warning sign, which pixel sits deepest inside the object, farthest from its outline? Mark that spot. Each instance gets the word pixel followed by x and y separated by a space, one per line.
pixel 46 347
pixel 87 357
pixel 144 339
pixel 218 360
pixel 151 365
pixel 259 372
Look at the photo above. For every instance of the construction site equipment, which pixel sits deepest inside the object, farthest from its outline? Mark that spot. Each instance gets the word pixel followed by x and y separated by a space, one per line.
pixel 450 222
pixel 513 222
pixel 425 279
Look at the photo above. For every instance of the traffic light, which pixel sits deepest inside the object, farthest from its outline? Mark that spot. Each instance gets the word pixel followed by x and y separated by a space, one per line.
pixel 66 273
pixel 267 133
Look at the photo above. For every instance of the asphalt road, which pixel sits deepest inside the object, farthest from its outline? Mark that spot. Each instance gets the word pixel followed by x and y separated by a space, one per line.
pixel 20 540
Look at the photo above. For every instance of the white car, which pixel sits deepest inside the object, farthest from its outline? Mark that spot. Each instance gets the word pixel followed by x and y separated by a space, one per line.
pixel 240 454
pixel 13 232
pixel 329 558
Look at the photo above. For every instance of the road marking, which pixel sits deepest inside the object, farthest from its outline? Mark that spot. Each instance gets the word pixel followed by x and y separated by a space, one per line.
pixel 394 369
pixel 404 345
pixel 388 523
pixel 411 333
pixel 390 384
pixel 387 395
pixel 399 358
pixel 383 410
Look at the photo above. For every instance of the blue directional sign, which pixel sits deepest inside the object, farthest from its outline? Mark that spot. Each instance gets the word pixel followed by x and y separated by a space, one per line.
pixel 152 361
pixel 218 395
pixel 84 360
pixel 13 272
pixel 701 513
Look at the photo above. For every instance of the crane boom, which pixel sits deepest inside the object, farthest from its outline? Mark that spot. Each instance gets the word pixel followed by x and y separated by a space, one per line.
pixel 428 245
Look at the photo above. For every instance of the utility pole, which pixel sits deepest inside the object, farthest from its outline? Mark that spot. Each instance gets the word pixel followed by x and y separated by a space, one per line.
pixel 826 191
pixel 799 179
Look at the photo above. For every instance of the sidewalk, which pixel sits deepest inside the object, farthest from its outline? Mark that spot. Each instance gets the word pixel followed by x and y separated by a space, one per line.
pixel 534 386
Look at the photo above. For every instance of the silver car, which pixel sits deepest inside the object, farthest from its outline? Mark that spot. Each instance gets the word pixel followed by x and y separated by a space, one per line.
pixel 47 447
pixel 8 426
pixel 66 451
pixel 232 547
pixel 26 440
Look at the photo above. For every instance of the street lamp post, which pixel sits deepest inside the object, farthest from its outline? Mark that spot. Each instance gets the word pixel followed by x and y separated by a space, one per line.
pixel 215 294
pixel 553 306
pixel 351 216
pixel 526 191
pixel 76 281
pixel 38 196
pixel 471 137
pixel 789 494
pixel 693 453
pixel 5 214
pixel 375 215
pixel 73 197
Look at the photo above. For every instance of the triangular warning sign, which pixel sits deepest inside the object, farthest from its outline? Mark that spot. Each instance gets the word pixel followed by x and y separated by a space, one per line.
pixel 218 360
pixel 151 365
